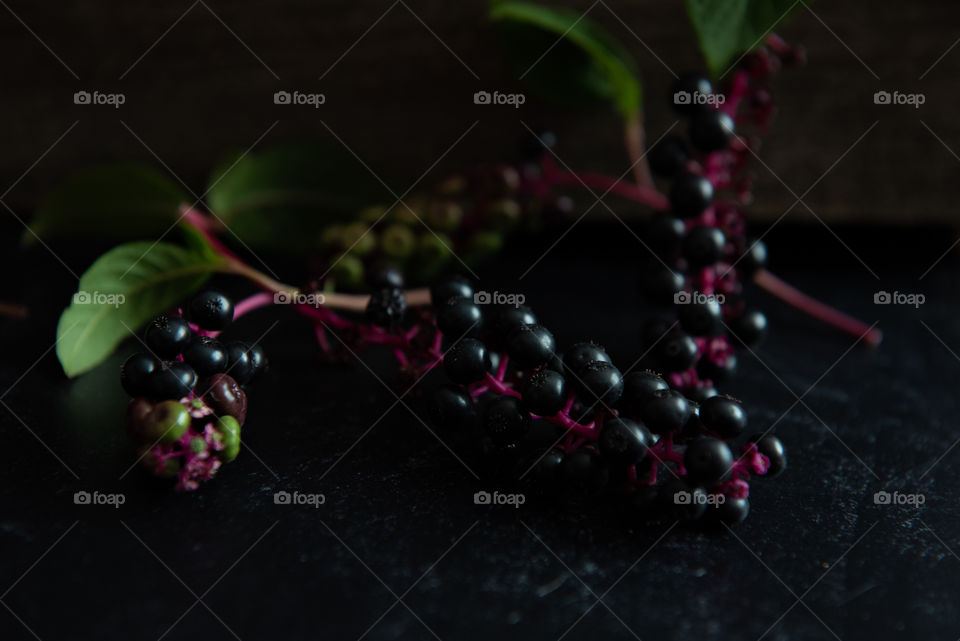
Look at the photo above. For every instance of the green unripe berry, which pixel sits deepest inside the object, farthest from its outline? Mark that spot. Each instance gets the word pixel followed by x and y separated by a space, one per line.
pixel 198 445
pixel 452 186
pixel 482 245
pixel 432 253
pixel 372 214
pixel 151 463
pixel 358 239
pixel 229 430
pixel 444 215
pixel 347 271
pixel 406 213
pixel 397 242
pixel 332 237
pixel 503 214
pixel 167 422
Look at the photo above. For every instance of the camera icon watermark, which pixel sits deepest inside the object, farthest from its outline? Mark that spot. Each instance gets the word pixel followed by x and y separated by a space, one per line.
pixel 697 298
pixel 98 298
pixel 98 98
pixel 898 498
pixel 498 298
pixel 98 498
pixel 298 498
pixel 698 98
pixel 299 98
pixel 898 298
pixel 898 98
pixel 698 498
pixel 299 298
pixel 498 498
pixel 498 98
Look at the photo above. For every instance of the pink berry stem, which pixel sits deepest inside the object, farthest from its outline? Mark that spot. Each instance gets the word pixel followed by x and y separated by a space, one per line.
pixel 793 296
pixel 639 193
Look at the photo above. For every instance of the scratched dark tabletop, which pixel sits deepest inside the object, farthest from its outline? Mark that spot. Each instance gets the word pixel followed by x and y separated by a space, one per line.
pixel 399 550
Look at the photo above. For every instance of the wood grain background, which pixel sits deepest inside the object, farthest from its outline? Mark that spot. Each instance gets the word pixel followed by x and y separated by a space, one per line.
pixel 199 79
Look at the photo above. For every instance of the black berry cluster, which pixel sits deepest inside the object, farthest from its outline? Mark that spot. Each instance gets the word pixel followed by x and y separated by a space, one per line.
pixel 188 391
pixel 581 424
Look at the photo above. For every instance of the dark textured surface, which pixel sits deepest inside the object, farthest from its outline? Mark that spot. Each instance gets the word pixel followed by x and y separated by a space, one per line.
pixel 397 500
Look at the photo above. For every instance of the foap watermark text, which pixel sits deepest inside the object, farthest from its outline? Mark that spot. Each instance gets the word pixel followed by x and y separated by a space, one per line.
pixel 499 498
pixel 498 298
pixel 98 298
pixel 499 98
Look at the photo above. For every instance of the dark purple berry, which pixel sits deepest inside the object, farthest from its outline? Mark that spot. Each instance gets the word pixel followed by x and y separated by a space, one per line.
pixel 530 345
pixel 661 285
pixel 700 317
pixel 668 156
pixel 548 467
pixel 459 317
pixel 135 374
pixel 624 442
pixel 749 328
pixel 453 410
pixel 168 336
pixel 667 411
pixel 545 392
pixel 664 233
pixel 449 286
pixel 690 194
pixel 677 352
pixel 505 421
pixel 386 307
pixel 583 470
pixel 211 310
pixel 711 130
pixel 731 511
pixel 599 382
pixel 772 447
pixel 384 276
pixel 703 246
pixel 206 356
pixel 639 388
pixel 701 393
pixel 466 362
pixel 506 318
pixel 754 257
pixel 719 369
pixel 681 500
pixel 723 415
pixel 689 93
pixel 173 380
pixel 222 394
pixel 707 461
pixel 579 354
pixel 240 365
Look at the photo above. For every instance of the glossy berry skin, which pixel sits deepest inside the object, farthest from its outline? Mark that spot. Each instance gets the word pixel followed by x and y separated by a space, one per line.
pixel 723 415
pixel 749 328
pixel 701 393
pixel 707 461
pixel 690 194
pixel 717 371
pixel 211 310
pixel 168 336
pixel 681 500
pixel 223 395
pixel 664 233
pixel 173 380
pixel 711 130
pixel 545 392
pixel 689 84
pixel 506 318
pixel 448 287
pixel 459 317
pixel 384 277
pixel 548 468
pixel 531 345
pixel 386 307
pixel 505 421
pixel 667 411
pixel 583 470
pixel 239 364
pixel 599 382
pixel 135 374
pixel 772 447
pixel 466 362
pixel 206 356
pixel 731 512
pixel 660 285
pixel 452 409
pixel 701 317
pixel 259 358
pixel 754 257
pixel 624 442
pixel 703 246
pixel 668 156
pixel 639 388
pixel 677 352
pixel 579 354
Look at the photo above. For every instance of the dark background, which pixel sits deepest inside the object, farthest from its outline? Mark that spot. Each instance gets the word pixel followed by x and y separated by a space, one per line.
pixel 398 502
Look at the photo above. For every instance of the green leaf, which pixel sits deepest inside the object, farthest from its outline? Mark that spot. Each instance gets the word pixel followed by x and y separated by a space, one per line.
pixel 567 57
pixel 728 28
pixel 282 198
pixel 110 202
pixel 121 291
